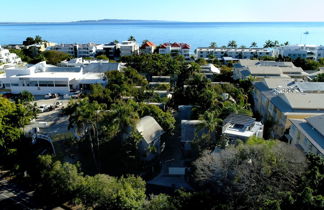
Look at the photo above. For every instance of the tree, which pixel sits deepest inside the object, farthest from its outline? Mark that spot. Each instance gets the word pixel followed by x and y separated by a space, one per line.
pixel 213 45
pixel 38 39
pixel 232 44
pixel 252 175
pixel 85 117
pixel 269 44
pixel 102 57
pixel 29 41
pixel 286 43
pixel 243 46
pixel 54 57
pixel 254 45
pixel 319 78
pixel 132 38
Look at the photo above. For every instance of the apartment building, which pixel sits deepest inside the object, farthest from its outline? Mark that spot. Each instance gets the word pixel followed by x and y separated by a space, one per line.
pixel 147 48
pixel 239 53
pixel 8 58
pixel 258 70
pixel 79 50
pixel 280 99
pixel 128 48
pixel 313 52
pixel 308 134
pixel 175 49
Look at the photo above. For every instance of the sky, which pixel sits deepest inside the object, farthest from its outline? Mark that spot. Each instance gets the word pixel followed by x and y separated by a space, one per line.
pixel 172 10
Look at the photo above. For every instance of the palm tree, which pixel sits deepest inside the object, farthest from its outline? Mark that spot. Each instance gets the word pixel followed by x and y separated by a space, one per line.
pixel 286 43
pixel 243 46
pixel 213 45
pixel 85 117
pixel 276 43
pixel 132 38
pixel 269 44
pixel 232 44
pixel 116 41
pixel 254 45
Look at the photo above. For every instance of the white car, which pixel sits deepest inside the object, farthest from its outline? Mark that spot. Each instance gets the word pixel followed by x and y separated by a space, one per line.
pixel 43 108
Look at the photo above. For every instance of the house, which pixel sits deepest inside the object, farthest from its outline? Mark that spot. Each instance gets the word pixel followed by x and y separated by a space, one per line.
pixel 242 127
pixel 190 129
pixel 175 49
pixel 262 69
pixel 147 48
pixel 41 78
pixel 239 53
pixel 8 58
pixel 78 50
pixel 308 134
pixel 151 132
pixel 128 48
pixel 313 52
pixel 278 100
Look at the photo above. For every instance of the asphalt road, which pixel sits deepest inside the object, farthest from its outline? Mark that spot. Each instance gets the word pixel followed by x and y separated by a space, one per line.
pixel 13 197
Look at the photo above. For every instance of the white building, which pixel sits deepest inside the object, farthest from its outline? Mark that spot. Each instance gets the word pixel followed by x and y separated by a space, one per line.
pixel 240 53
pixel 128 48
pixel 308 134
pixel 241 127
pixel 313 52
pixel 147 48
pixel 41 78
pixel 79 50
pixel 8 58
pixel 175 49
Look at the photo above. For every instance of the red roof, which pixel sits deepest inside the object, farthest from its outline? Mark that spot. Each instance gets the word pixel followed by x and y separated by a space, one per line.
pixel 147 44
pixel 164 45
pixel 175 45
pixel 185 46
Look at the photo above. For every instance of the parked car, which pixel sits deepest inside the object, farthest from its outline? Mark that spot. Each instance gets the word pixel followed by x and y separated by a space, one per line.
pixel 51 95
pixel 58 104
pixel 43 108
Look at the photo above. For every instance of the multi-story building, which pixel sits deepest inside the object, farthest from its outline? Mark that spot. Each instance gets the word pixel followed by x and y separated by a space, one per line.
pixel 308 134
pixel 111 50
pixel 313 52
pixel 278 100
pixel 8 58
pixel 147 48
pixel 41 78
pixel 239 53
pixel 262 69
pixel 175 49
pixel 128 48
pixel 79 50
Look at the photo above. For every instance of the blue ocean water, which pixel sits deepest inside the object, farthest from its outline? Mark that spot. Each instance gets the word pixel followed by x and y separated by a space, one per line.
pixel 196 34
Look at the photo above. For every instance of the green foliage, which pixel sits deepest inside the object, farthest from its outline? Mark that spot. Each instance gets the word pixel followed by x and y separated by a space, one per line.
pixel 62 182
pixel 55 57
pixel 319 78
pixel 102 57
pixel 306 64
pixel 30 40
pixel 155 64
pixel 253 175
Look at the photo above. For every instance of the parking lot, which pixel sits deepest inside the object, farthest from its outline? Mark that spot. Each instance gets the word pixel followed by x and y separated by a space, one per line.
pixel 51 122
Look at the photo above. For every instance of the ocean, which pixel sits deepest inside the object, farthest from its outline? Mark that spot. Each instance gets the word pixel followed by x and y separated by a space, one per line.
pixel 193 33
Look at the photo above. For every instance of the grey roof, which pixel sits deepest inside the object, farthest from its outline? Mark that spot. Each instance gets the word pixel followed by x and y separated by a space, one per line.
pixel 275 63
pixel 312 135
pixel 304 101
pixel 63 69
pixel 149 129
pixel 310 86
pixel 317 122
pixel 102 67
pixel 267 70
pixel 239 119
pixel 276 82
pixel 189 128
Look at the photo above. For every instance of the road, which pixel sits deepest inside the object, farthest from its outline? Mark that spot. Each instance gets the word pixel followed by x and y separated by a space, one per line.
pixel 14 197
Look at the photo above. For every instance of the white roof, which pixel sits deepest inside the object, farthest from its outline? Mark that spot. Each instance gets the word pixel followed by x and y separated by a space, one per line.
pixel 149 129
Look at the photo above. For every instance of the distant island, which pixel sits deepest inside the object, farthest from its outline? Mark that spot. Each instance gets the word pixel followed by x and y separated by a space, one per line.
pixel 94 21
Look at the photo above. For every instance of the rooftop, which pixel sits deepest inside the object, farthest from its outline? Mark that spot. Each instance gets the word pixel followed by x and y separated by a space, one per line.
pixel 149 129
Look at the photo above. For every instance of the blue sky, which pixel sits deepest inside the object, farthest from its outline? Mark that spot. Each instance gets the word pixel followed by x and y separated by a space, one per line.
pixel 179 10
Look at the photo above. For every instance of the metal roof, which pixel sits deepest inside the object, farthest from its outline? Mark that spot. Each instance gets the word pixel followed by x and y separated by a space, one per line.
pixel 317 122
pixel 310 86
pixel 239 119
